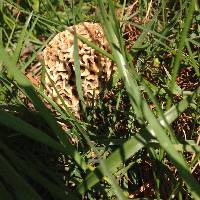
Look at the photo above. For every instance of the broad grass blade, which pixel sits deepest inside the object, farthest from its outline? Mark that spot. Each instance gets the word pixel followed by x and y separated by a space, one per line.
pixel 22 189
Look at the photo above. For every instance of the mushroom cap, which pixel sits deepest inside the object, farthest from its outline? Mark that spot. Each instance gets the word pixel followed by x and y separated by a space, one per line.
pixel 59 62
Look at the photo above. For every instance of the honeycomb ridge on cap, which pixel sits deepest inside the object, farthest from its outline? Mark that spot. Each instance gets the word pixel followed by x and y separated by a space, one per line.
pixel 59 63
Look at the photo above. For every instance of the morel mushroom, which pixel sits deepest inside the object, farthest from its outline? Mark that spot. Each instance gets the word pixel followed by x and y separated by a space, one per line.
pixel 59 61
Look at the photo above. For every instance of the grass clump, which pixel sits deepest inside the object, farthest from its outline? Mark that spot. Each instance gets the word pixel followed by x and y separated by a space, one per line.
pixel 139 140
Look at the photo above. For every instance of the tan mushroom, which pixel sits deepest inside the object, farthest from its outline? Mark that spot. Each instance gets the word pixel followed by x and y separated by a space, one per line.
pixel 59 61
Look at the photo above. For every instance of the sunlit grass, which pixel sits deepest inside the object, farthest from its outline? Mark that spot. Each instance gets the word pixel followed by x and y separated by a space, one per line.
pixel 94 157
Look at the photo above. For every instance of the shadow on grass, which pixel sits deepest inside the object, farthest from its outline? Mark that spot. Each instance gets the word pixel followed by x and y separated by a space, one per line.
pixel 41 167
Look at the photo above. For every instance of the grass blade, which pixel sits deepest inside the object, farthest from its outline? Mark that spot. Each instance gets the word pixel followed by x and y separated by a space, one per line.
pixel 57 191
pixel 126 150
pixel 183 39
pixel 21 41
pixel 22 189
pixel 77 69
pixel 28 130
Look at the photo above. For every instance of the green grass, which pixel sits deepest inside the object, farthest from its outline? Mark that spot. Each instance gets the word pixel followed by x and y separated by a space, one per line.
pixel 129 141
